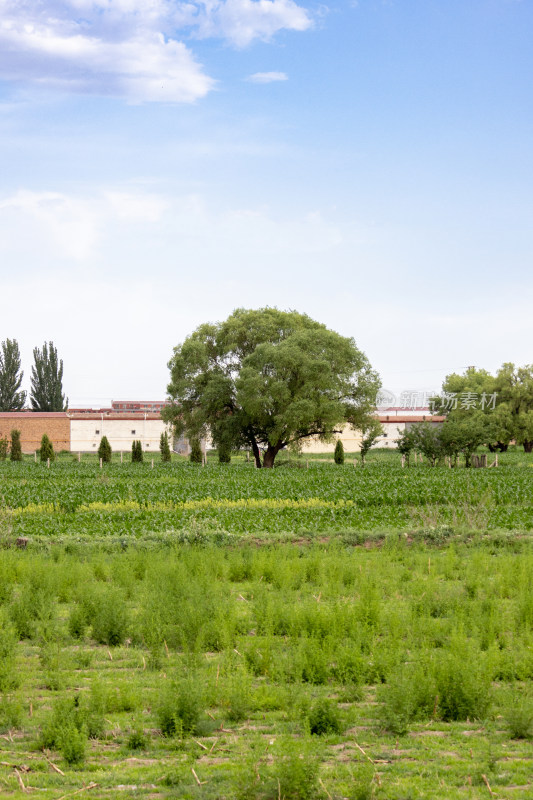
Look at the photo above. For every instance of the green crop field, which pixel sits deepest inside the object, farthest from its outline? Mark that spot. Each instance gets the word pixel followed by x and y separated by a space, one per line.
pixel 308 632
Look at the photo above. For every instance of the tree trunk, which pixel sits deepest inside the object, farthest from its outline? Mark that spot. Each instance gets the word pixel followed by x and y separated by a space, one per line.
pixel 528 446
pixel 502 447
pixel 270 455
pixel 255 451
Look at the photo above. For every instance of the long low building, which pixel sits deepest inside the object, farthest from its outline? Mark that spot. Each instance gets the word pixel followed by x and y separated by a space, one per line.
pixel 86 431
pixel 393 424
pixel 82 432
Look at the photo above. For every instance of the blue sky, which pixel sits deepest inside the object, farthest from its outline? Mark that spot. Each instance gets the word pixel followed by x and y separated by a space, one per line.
pixel 369 163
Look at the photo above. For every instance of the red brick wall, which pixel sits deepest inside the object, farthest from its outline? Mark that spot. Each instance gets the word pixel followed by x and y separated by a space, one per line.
pixel 32 426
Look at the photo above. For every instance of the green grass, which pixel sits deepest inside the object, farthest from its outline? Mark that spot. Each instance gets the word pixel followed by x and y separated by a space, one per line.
pixel 387 673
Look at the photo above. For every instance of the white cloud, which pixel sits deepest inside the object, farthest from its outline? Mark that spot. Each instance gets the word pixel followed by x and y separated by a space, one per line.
pixel 72 227
pixel 267 77
pixel 130 48
pixel 242 21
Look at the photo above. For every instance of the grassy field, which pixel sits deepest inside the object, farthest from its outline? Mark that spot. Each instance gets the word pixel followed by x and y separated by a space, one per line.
pixel 224 632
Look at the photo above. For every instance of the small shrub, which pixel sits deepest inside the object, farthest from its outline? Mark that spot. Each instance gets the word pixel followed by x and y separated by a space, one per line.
pixel 10 713
pixel 72 744
pixel 180 708
pixel 296 773
pixel 77 622
pixel 518 715
pixel 164 447
pixel 137 452
pixel 463 686
pixel 409 694
pixel 104 450
pixel 8 645
pixel 196 455
pixel 16 449
pixel 137 738
pixel 110 619
pixel 324 718
pixel 46 450
pixel 224 453
pixel 3 448
pixel 339 452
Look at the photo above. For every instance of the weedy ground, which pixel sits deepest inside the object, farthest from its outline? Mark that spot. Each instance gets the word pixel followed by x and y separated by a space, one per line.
pixel 322 671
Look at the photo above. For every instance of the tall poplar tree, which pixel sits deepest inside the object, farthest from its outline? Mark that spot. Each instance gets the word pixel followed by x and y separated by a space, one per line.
pixel 11 398
pixel 47 380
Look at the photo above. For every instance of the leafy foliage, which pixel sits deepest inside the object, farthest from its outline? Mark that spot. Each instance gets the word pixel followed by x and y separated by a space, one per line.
pixel 104 450
pixel 16 447
pixel 338 455
pixel 11 397
pixel 46 450
pixel 164 447
pixel 270 379
pixel 196 456
pixel 137 454
pixel 47 380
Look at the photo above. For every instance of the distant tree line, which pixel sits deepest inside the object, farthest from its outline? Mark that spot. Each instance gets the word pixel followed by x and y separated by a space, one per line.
pixel 505 415
pixel 46 379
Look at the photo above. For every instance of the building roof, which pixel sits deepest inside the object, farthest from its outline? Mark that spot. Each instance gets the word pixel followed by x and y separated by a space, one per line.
pixel 32 414
pixel 106 415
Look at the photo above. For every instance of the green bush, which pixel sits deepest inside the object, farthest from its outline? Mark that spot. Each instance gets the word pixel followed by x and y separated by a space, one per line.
pixel 408 695
pixel 46 451
pixel 10 713
pixel 296 773
pixel 180 708
pixel 463 686
pixel 164 447
pixel 110 618
pixel 104 450
pixel 4 444
pixel 224 453
pixel 196 455
pixel 8 645
pixel 339 452
pixel 518 715
pixel 137 452
pixel 72 744
pixel 137 738
pixel 324 718
pixel 16 449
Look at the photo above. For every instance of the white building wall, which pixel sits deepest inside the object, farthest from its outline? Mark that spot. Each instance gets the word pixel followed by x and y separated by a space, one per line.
pixel 351 439
pixel 85 434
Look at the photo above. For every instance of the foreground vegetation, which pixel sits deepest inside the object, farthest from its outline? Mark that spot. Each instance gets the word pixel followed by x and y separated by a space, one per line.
pixel 314 631
pixel 212 672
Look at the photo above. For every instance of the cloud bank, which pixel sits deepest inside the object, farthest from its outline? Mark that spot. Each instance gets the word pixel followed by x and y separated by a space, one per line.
pixel 130 48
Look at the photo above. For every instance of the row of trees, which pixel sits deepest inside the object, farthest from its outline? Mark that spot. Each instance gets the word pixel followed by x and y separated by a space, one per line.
pixel 507 417
pixel 14 448
pixel 46 450
pixel 46 379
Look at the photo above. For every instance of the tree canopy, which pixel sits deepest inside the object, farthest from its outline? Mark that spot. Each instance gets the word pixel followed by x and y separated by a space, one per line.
pixel 47 380
pixel 501 405
pixel 268 379
pixel 11 398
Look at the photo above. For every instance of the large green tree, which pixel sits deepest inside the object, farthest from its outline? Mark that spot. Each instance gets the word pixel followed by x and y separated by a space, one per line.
pixel 11 398
pixel 47 380
pixel 505 399
pixel 268 379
